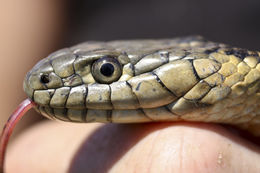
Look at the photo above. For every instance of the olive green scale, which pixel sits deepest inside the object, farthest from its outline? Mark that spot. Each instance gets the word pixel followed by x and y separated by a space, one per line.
pixel 188 79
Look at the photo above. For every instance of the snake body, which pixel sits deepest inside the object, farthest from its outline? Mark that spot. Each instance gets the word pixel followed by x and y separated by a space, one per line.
pixel 181 79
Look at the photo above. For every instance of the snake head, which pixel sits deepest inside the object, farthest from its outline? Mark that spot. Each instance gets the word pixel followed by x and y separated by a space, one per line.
pixel 67 69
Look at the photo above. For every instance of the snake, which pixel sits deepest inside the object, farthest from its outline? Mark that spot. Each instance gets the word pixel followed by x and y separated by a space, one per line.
pixel 149 80
pixel 146 80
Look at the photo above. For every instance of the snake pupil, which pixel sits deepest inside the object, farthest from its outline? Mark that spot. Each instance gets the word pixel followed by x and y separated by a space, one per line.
pixel 107 69
pixel 45 78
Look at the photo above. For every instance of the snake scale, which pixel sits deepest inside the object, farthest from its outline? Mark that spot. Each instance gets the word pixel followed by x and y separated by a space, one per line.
pixel 132 81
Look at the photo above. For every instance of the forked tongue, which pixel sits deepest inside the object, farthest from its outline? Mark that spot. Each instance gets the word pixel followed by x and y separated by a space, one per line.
pixel 9 126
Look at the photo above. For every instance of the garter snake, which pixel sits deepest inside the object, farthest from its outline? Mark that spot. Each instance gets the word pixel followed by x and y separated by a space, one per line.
pixel 131 81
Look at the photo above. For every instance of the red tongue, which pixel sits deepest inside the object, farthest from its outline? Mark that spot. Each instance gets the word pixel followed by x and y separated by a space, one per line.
pixel 9 126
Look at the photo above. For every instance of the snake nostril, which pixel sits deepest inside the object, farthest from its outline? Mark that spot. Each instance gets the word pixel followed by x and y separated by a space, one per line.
pixel 45 78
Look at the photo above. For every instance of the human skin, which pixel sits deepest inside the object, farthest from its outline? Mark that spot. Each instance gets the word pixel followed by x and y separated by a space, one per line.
pixel 151 147
pixel 30 30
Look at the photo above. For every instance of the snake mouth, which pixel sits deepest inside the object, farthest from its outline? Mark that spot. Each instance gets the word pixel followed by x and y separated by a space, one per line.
pixel 26 87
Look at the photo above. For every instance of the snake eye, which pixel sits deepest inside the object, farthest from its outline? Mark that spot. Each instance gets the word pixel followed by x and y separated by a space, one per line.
pixel 106 70
pixel 45 78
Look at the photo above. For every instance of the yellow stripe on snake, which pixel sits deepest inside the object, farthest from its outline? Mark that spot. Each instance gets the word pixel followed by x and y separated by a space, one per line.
pixel 135 81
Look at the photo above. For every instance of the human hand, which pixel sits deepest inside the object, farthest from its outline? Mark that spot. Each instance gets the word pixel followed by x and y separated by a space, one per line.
pixel 151 147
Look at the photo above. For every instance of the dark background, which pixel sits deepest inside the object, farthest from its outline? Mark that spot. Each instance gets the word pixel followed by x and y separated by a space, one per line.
pixel 230 21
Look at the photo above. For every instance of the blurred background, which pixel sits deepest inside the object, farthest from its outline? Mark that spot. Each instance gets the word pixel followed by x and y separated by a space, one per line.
pixel 32 29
